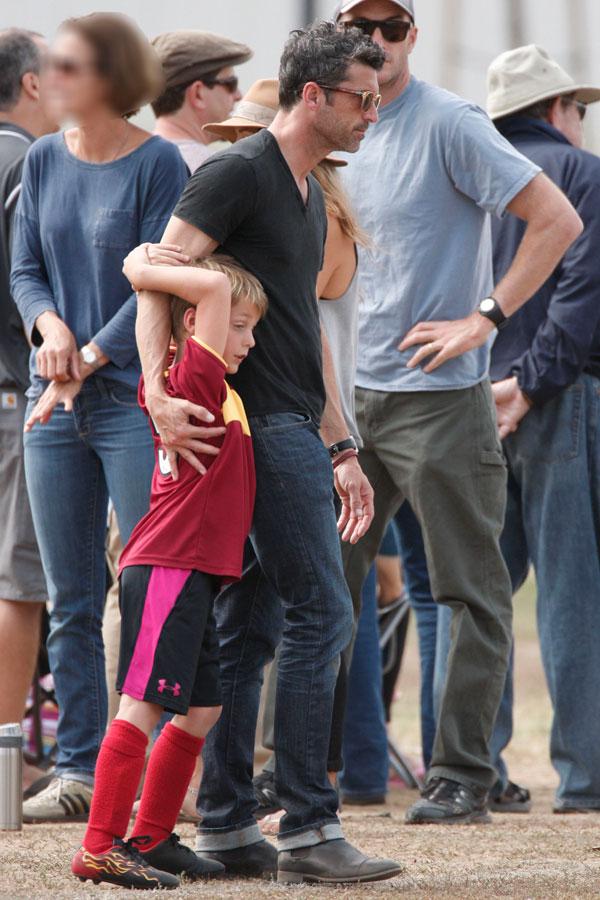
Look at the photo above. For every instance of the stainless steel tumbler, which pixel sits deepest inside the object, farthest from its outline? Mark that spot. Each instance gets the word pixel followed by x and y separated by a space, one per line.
pixel 11 777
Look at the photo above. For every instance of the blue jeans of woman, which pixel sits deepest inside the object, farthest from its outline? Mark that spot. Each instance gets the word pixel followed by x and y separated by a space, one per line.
pixel 73 464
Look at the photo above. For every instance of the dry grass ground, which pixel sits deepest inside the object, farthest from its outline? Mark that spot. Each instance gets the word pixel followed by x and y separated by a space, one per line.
pixel 540 855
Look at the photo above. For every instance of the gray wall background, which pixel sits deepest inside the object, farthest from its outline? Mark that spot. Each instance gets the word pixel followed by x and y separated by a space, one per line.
pixel 457 41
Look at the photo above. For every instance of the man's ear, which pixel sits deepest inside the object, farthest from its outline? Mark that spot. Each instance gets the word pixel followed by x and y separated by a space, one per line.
pixel 194 94
pixel 554 111
pixel 30 84
pixel 311 94
pixel 413 34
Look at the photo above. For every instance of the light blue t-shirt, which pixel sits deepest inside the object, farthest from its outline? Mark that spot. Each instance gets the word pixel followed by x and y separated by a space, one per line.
pixel 423 183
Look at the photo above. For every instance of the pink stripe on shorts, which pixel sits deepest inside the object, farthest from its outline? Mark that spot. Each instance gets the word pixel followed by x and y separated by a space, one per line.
pixel 164 587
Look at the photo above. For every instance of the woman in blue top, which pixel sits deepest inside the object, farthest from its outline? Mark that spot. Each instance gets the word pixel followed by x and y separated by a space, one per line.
pixel 89 196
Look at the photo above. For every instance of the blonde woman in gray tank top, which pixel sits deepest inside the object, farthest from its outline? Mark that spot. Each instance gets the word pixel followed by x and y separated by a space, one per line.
pixel 337 287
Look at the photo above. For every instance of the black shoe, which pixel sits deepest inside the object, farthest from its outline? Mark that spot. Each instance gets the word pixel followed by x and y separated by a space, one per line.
pixel 333 862
pixel 266 795
pixel 446 802
pixel 174 857
pixel 254 861
pixel 123 865
pixel 513 799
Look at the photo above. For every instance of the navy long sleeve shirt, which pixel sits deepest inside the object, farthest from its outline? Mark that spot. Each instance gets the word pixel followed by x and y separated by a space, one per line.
pixel 74 224
pixel 554 337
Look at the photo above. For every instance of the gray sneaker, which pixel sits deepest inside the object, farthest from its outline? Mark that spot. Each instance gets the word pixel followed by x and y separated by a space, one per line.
pixel 333 862
pixel 63 800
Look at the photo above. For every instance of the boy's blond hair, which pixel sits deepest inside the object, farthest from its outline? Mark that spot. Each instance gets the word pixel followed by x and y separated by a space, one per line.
pixel 244 286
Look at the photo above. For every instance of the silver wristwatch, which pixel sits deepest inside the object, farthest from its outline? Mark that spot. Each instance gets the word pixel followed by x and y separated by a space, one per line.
pixel 89 356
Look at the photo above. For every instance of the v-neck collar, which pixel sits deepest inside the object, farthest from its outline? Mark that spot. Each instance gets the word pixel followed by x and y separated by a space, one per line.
pixel 305 205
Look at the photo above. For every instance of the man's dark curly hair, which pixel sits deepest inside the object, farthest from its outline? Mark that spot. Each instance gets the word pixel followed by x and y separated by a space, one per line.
pixel 323 54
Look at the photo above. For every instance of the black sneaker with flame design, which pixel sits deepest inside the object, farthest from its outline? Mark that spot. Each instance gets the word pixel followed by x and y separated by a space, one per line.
pixel 123 865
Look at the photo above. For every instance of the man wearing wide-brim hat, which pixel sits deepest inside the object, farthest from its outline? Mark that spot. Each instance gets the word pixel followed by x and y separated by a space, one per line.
pixel 200 86
pixel 546 369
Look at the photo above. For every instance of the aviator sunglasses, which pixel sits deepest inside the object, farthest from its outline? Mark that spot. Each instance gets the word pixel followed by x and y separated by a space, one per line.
pixel 392 30
pixel 367 98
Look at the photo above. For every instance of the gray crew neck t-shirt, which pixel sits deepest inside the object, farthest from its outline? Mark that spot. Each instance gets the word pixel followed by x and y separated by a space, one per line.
pixel 424 182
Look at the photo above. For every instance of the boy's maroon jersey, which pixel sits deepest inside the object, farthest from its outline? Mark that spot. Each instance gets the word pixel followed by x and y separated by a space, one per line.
pixel 200 521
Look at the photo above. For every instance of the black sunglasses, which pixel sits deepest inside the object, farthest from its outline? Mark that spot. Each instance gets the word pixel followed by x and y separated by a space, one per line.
pixel 392 30
pixel 231 83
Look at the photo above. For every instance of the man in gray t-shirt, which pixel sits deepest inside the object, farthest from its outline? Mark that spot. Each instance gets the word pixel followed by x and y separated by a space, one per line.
pixel 424 183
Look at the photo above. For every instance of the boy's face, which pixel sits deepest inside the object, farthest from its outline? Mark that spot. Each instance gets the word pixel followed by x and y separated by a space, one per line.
pixel 240 339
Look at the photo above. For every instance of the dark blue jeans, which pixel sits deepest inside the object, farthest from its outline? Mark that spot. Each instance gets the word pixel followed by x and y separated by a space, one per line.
pixel 366 759
pixel 293 589
pixel 553 519
pixel 73 464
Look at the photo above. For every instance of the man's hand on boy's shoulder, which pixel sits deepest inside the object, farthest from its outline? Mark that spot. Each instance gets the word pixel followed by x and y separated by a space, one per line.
pixel 179 437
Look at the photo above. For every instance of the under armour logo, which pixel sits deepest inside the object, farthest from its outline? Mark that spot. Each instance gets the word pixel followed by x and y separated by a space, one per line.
pixel 163 686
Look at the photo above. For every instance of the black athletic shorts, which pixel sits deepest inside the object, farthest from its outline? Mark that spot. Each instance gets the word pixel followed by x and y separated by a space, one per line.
pixel 169 651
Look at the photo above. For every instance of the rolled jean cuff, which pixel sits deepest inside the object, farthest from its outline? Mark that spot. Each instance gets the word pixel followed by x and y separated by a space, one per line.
pixel 75 775
pixel 310 837
pixel 213 839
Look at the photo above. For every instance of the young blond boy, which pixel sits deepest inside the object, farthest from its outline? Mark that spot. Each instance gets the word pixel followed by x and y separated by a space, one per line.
pixel 190 540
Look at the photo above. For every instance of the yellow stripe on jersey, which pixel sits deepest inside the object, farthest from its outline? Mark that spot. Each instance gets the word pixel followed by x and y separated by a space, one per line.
pixel 233 410
pixel 210 349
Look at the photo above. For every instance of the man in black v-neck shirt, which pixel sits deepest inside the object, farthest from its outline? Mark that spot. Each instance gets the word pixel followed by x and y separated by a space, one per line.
pixel 231 198
pixel 258 202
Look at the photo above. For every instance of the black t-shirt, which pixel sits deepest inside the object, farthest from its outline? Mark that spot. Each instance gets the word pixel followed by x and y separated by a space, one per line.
pixel 246 198
pixel 14 349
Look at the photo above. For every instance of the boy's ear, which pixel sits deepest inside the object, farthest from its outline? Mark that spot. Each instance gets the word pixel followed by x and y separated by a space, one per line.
pixel 189 319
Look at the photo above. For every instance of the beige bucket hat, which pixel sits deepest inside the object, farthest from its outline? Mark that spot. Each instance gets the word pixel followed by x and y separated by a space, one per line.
pixel 255 111
pixel 524 76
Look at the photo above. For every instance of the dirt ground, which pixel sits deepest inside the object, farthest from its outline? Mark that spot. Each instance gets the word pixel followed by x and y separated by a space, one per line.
pixel 539 855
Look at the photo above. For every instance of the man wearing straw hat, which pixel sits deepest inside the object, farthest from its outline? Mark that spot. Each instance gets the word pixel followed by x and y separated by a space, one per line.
pixel 546 369
pixel 200 86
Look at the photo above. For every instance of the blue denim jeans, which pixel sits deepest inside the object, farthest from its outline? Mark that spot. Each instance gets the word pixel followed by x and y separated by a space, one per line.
pixel 553 519
pixel 366 761
pixel 292 589
pixel 73 464
pixel 416 580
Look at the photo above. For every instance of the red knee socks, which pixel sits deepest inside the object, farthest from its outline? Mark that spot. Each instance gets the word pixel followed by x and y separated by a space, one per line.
pixel 168 775
pixel 118 772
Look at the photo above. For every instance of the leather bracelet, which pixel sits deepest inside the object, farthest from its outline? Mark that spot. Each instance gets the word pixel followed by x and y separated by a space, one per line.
pixel 343 456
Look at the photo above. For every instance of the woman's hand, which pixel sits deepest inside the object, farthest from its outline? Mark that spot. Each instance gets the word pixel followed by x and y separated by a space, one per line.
pixel 57 359
pixel 54 394
pixel 152 255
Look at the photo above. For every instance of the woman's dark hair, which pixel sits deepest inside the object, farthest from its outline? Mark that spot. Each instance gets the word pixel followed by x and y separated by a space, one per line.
pixel 123 57
pixel 323 54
